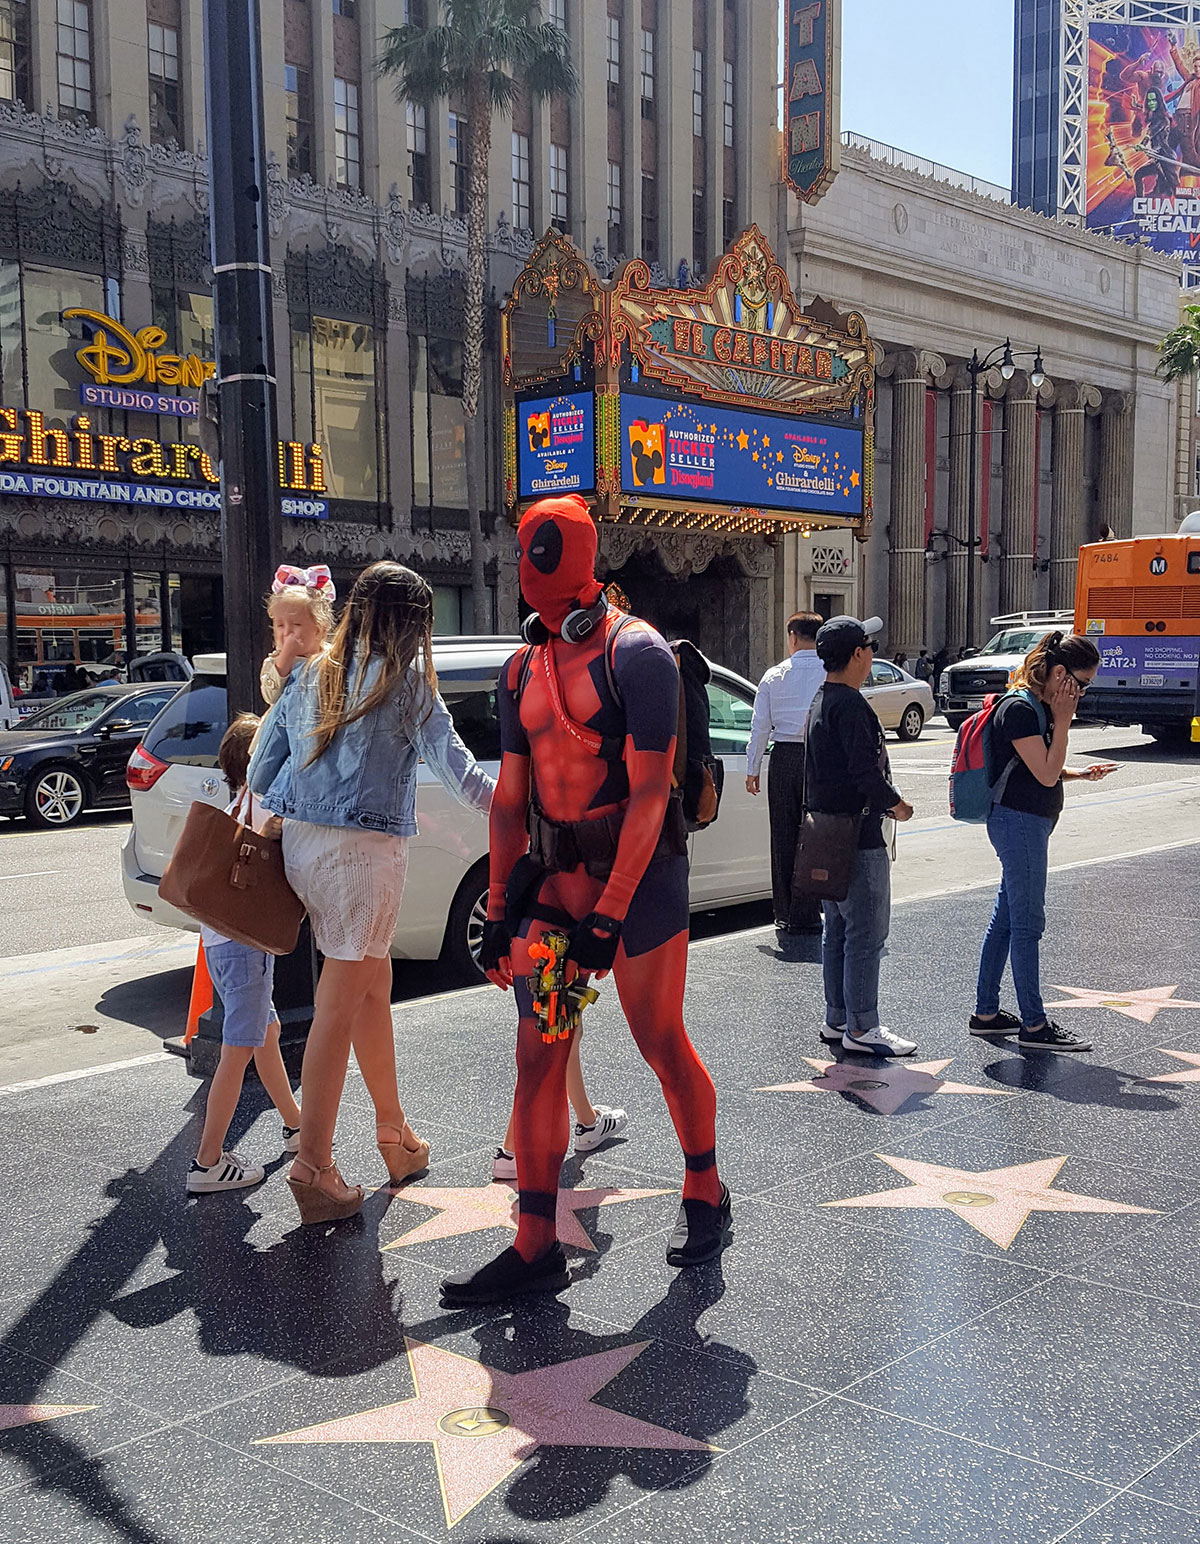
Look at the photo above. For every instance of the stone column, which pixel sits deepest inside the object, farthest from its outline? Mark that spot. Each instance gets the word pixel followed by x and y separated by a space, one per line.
pixel 960 554
pixel 1071 400
pixel 910 374
pixel 1016 505
pixel 1116 464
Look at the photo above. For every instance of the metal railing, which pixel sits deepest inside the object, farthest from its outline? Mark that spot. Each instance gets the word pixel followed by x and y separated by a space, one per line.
pixel 925 167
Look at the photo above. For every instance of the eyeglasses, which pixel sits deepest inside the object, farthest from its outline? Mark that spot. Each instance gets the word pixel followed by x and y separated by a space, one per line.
pixel 1082 685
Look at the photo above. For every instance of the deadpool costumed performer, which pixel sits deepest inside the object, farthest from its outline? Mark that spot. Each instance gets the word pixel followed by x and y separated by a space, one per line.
pixel 587 839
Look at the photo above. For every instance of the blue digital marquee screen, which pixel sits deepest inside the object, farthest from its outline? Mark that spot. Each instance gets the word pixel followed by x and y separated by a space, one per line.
pixel 556 445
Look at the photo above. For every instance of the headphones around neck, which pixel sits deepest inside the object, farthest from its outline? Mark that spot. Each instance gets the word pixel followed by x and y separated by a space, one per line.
pixel 578 625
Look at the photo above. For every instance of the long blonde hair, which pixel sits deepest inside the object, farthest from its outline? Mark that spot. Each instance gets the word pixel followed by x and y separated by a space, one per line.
pixel 389 616
pixel 1070 650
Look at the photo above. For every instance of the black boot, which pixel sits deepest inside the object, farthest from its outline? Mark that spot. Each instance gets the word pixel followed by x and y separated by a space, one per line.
pixel 508 1275
pixel 699 1232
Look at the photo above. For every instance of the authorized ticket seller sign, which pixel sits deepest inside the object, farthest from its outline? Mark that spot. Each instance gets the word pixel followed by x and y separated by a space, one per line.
pixel 692 450
pixel 812 88
pixel 556 445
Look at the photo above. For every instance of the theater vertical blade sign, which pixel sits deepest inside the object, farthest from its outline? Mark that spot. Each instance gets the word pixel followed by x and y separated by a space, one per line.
pixel 811 95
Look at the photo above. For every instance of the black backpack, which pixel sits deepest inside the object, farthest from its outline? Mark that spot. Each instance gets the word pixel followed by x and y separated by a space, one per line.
pixel 697 776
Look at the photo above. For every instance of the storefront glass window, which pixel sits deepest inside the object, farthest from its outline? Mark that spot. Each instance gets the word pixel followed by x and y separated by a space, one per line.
pixel 53 372
pixel 419 370
pixel 334 368
pixel 70 628
pixel 449 461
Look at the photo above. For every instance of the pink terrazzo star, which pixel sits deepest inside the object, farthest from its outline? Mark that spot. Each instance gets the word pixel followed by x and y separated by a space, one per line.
pixel 995 1202
pixel 26 1415
pixel 484 1423
pixel 1191 1076
pixel 1142 1005
pixel 885 1089
pixel 473 1209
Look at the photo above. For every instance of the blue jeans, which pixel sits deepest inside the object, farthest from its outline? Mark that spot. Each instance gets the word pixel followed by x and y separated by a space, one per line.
pixel 856 930
pixel 1022 844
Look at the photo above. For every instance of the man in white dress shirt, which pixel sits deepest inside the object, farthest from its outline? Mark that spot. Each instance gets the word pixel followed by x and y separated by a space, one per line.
pixel 781 707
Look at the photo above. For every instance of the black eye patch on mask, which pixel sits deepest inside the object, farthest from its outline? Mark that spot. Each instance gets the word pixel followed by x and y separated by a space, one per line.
pixel 546 549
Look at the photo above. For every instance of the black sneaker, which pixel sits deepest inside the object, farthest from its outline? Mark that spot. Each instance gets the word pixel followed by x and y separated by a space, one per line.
pixel 1003 1024
pixel 1052 1037
pixel 699 1232
pixel 508 1275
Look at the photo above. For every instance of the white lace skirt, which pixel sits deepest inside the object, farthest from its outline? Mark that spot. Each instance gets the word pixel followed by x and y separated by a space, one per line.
pixel 351 882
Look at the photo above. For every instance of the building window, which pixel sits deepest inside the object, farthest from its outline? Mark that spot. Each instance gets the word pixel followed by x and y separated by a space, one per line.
pixel 647 65
pixel 166 122
pixel 439 434
pixel 556 14
pixel 31 369
pixel 699 231
pixel 75 60
pixel 333 366
pixel 298 82
pixel 727 223
pixel 347 143
pixel 558 187
pixel 347 8
pixel 14 51
pixel 521 217
pixel 417 133
pixel 697 93
pixel 614 61
pixel 728 101
pixel 649 219
pixel 616 234
pixel 458 161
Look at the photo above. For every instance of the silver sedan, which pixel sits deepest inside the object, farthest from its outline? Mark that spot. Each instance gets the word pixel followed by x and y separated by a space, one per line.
pixel 901 702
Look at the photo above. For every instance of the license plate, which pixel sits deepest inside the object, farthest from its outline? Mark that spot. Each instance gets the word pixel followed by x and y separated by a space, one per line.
pixel 1153 680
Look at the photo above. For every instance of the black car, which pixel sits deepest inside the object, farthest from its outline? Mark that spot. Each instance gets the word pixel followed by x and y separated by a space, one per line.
pixel 71 756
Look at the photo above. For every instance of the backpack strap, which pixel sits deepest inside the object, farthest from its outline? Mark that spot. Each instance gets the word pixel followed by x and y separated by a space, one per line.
pixel 1001 783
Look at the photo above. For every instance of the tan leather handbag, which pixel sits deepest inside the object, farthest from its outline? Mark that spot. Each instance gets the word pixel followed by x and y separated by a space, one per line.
pixel 226 875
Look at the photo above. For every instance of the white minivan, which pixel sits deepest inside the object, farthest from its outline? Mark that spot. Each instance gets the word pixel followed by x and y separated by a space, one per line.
pixel 446 893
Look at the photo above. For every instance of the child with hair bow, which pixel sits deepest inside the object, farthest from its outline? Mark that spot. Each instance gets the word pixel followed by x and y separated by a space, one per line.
pixel 300 606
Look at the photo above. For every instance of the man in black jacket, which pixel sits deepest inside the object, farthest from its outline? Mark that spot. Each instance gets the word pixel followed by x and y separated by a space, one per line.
pixel 849 774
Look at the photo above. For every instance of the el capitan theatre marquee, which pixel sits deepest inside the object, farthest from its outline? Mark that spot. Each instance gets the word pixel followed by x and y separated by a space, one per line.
pixel 722 408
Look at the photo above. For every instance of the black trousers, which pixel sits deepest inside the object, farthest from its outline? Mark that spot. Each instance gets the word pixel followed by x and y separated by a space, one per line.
pixel 785 801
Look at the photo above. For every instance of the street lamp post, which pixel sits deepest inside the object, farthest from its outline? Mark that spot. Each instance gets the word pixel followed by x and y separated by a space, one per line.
pixel 1002 355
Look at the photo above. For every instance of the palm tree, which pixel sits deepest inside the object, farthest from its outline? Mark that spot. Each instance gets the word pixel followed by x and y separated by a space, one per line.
pixel 477 53
pixel 1179 351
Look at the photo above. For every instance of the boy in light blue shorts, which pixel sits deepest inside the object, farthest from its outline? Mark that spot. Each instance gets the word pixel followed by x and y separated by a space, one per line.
pixel 243 978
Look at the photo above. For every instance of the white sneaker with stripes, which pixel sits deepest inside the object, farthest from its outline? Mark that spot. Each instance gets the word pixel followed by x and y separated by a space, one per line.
pixel 608 1123
pixel 228 1173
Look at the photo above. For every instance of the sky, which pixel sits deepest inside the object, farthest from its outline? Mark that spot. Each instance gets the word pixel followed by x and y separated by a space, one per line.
pixel 933 77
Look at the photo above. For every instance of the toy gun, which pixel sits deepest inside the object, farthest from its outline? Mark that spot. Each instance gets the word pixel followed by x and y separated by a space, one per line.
pixel 557 1004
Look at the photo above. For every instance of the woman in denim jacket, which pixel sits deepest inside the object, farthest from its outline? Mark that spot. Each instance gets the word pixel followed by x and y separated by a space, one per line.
pixel 337 758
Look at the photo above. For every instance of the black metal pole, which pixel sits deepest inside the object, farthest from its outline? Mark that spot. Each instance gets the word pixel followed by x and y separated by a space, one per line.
pixel 973 501
pixel 245 342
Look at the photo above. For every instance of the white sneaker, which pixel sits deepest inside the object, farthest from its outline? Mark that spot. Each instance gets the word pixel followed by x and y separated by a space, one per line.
pixel 228 1173
pixel 878 1042
pixel 291 1139
pixel 504 1164
pixel 608 1123
pixel 832 1033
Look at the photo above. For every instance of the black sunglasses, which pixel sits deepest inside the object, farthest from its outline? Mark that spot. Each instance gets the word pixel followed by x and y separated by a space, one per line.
pixel 1082 685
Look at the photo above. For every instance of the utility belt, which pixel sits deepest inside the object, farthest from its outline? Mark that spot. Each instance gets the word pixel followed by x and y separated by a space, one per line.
pixel 560 846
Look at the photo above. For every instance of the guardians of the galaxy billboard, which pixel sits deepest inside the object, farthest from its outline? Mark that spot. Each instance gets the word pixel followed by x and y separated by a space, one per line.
pixel 1143 135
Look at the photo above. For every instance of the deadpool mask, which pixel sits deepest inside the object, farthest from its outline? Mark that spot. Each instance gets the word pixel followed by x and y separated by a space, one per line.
pixel 557 538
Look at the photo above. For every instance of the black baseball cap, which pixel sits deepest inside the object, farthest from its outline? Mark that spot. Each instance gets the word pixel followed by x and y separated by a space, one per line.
pixel 842 634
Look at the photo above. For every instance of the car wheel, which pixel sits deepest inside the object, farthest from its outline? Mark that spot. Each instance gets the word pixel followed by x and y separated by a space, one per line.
pixel 464 926
pixel 956 720
pixel 55 798
pixel 912 721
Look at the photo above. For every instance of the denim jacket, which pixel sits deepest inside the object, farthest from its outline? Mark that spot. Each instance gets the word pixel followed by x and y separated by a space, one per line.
pixel 367 776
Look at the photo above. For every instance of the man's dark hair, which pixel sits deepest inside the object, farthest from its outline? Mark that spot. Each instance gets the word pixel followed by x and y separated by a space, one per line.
pixel 804 624
pixel 836 653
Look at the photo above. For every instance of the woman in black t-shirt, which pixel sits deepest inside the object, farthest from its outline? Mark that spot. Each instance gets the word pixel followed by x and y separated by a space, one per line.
pixel 1028 749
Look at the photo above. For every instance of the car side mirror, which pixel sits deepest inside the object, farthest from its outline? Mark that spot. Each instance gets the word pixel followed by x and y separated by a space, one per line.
pixel 116 726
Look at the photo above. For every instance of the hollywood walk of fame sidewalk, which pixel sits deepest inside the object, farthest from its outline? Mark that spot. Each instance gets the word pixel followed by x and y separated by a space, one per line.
pixel 961 1304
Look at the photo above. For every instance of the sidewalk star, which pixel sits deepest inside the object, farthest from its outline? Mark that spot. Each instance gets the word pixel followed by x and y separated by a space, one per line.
pixel 1143 1005
pixel 885 1089
pixel 1191 1076
pixel 995 1202
pixel 473 1209
pixel 484 1423
pixel 25 1415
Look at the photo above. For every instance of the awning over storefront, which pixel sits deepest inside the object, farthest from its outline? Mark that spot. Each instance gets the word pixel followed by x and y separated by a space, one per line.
pixel 725 408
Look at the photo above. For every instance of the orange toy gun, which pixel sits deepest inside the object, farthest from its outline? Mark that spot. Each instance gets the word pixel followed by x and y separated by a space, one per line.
pixel 557 1004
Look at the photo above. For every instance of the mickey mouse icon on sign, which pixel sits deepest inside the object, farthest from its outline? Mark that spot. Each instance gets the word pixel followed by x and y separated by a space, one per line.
pixel 646 449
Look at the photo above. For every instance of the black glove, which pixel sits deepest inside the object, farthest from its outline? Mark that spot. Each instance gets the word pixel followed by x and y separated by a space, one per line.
pixel 594 942
pixel 496 945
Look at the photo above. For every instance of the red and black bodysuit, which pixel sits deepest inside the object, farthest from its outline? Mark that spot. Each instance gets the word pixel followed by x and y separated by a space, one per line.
pixel 586 839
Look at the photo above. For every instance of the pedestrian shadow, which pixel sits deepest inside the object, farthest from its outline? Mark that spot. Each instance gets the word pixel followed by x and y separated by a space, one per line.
pixel 1080 1083
pixel 803 950
pixel 157 1003
pixel 683 1381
